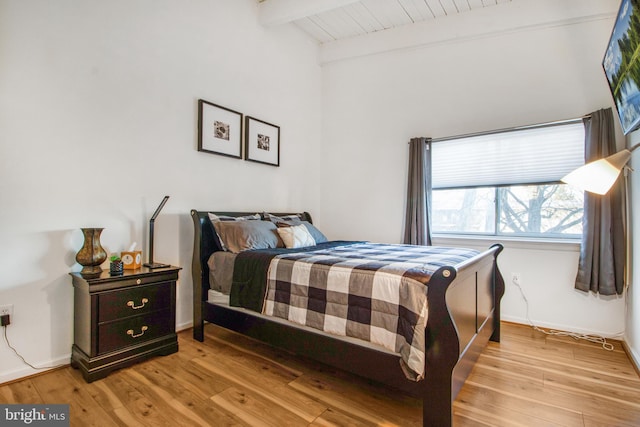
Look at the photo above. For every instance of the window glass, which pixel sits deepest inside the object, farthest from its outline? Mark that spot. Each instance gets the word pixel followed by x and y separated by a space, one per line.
pixel 465 210
pixel 541 210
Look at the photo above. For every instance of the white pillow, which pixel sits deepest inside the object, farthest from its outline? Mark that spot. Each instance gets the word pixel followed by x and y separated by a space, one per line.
pixel 296 236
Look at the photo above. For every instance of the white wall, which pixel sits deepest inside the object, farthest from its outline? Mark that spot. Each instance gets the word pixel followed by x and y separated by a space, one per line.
pixel 632 333
pixel 547 69
pixel 98 114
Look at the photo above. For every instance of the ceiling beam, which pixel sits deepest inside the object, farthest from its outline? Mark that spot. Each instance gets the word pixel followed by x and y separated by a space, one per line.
pixel 277 12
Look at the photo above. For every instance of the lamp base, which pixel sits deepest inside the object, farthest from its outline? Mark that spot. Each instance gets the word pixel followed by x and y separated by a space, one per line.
pixel 152 265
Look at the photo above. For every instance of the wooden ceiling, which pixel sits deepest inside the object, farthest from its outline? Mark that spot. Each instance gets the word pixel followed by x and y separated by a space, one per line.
pixel 331 20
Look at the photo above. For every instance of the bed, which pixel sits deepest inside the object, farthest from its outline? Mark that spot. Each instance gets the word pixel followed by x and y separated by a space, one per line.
pixel 463 301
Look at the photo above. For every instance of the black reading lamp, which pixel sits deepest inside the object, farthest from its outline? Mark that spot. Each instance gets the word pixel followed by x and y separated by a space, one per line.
pixel 152 264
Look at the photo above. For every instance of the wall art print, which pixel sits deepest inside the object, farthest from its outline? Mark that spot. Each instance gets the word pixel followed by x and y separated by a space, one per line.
pixel 262 142
pixel 219 130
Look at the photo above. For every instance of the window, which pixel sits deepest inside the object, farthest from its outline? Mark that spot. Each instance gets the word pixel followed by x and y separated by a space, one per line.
pixel 508 182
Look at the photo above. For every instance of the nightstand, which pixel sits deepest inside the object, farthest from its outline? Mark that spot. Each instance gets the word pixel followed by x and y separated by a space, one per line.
pixel 121 320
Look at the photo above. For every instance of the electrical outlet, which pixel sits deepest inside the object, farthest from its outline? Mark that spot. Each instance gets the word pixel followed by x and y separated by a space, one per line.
pixel 6 309
pixel 515 278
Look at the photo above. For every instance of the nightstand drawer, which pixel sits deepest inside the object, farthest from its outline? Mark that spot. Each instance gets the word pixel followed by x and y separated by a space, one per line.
pixel 134 330
pixel 133 301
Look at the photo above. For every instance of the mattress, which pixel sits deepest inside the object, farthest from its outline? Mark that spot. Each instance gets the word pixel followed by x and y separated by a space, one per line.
pixel 221 271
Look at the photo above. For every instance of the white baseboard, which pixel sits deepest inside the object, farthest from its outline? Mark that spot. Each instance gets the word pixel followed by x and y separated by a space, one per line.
pixel 633 356
pixel 27 371
pixel 183 326
pixel 564 328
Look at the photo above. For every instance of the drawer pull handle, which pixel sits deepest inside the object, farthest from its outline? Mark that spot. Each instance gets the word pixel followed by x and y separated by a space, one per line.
pixel 138 281
pixel 134 306
pixel 143 329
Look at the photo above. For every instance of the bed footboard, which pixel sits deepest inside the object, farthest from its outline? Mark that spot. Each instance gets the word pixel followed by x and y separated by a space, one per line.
pixel 464 303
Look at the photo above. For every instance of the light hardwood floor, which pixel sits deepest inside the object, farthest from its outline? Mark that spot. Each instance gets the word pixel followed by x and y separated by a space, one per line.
pixel 528 379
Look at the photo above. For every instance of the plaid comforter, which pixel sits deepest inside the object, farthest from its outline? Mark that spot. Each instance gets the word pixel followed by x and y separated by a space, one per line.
pixel 371 291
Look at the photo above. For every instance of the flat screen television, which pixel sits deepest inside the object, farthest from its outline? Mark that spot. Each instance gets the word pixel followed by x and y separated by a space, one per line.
pixel 622 64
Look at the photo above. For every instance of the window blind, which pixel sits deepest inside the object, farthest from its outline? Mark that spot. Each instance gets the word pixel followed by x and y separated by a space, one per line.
pixel 533 155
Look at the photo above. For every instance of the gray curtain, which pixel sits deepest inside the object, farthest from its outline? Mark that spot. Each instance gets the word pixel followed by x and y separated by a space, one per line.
pixel 417 226
pixel 602 251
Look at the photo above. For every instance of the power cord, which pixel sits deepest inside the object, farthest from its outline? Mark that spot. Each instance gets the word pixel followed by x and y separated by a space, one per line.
pixel 22 358
pixel 598 339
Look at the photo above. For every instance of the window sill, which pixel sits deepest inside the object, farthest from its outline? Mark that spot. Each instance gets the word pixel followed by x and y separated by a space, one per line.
pixel 570 245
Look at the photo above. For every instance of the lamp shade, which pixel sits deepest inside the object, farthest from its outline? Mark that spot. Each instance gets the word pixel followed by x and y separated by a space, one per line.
pixel 599 176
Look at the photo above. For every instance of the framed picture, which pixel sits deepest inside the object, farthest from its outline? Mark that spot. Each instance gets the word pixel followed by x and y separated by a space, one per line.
pixel 622 66
pixel 219 130
pixel 262 142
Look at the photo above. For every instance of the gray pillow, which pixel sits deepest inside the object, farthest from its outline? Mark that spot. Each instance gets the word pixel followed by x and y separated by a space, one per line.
pixel 217 218
pixel 239 236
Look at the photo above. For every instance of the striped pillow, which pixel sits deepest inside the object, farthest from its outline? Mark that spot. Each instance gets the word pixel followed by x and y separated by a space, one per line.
pixel 286 219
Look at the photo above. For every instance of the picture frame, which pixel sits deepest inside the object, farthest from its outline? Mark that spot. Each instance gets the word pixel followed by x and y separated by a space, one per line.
pixel 622 66
pixel 262 141
pixel 219 130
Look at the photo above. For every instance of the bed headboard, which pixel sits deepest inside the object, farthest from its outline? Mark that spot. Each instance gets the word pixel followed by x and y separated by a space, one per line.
pixel 205 242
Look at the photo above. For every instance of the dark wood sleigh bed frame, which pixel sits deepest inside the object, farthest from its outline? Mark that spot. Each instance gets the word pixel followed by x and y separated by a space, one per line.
pixel 464 314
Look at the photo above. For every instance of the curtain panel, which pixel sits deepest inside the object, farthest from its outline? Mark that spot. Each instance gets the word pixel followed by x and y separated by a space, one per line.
pixel 417 227
pixel 602 250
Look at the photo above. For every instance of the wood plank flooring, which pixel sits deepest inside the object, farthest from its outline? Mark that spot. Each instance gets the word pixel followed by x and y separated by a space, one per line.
pixel 528 379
